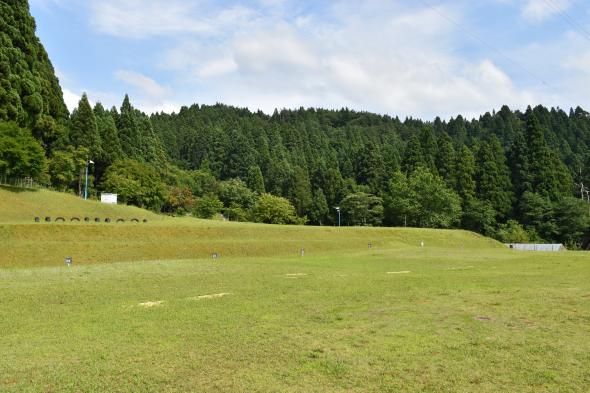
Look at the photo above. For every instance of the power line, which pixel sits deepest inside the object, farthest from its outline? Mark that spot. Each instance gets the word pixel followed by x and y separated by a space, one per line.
pixel 571 21
pixel 489 46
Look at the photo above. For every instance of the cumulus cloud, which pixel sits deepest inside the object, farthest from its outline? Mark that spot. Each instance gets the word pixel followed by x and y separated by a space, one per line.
pixel 147 18
pixel 142 83
pixel 389 57
pixel 71 99
pixel 147 94
pixel 400 63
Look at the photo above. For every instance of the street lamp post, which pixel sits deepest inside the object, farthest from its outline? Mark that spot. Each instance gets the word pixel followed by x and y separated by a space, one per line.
pixel 86 181
pixel 338 210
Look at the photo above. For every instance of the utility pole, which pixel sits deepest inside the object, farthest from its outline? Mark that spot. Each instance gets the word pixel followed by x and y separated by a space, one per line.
pixel 86 181
pixel 584 191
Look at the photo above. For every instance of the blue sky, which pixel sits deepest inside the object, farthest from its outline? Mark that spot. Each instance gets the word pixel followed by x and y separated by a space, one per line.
pixel 419 58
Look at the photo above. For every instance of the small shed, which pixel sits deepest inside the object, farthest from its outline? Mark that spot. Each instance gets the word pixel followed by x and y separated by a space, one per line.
pixel 536 247
pixel 110 199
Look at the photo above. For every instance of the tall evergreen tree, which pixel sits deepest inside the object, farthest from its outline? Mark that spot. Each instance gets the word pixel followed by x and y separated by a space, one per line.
pixel 429 149
pixel 370 168
pixel 30 94
pixel 111 150
pixel 128 130
pixel 319 208
pixel 413 157
pixel 300 191
pixel 465 174
pixel 543 175
pixel 519 165
pixel 493 179
pixel 83 129
pixel 254 180
pixel 445 159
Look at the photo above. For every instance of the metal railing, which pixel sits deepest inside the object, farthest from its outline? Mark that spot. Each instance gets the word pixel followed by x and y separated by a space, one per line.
pixel 20 182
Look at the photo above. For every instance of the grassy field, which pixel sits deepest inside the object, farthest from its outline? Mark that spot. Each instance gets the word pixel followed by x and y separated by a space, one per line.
pixel 461 314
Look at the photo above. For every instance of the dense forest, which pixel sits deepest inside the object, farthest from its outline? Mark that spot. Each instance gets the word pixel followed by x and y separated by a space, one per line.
pixel 517 176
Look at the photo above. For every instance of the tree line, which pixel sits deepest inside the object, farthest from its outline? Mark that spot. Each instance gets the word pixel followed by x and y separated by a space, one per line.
pixel 516 176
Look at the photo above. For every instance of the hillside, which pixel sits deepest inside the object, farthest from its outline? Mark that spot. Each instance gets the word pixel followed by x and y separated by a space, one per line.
pixel 27 243
pixel 19 205
pixel 509 174
pixel 461 314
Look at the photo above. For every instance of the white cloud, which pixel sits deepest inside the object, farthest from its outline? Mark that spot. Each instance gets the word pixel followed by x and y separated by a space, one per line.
pixel 147 94
pixel 541 10
pixel 142 83
pixel 147 18
pixel 403 62
pixel 378 55
pixel 217 67
pixel 71 99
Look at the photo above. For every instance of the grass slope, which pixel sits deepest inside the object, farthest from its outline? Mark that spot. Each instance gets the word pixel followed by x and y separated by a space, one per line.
pixel 458 315
pixel 27 243
pixel 19 205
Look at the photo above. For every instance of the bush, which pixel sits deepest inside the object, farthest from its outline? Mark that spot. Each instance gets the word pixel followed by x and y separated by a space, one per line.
pixel 512 232
pixel 21 155
pixel 207 206
pixel 136 184
pixel 272 209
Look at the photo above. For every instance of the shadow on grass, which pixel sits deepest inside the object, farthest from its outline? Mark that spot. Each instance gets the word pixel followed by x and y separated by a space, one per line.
pixel 18 189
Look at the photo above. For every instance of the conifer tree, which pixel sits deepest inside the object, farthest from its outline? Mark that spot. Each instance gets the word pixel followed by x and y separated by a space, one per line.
pixel 107 129
pixel 519 165
pixel 239 156
pixel 465 174
pixel 319 209
pixel 429 149
pixel 370 168
pixel 301 194
pixel 445 159
pixel 84 130
pixel 30 94
pixel 413 157
pixel 128 130
pixel 457 130
pixel 542 171
pixel 254 180
pixel 493 178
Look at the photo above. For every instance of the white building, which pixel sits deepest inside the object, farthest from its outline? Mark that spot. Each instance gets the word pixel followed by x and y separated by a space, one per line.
pixel 111 199
pixel 536 247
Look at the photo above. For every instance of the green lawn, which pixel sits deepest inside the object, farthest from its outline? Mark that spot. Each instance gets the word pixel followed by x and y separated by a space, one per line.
pixel 460 314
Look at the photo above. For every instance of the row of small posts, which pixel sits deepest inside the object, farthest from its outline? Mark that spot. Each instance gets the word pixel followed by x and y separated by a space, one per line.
pixel 88 219
pixel 214 255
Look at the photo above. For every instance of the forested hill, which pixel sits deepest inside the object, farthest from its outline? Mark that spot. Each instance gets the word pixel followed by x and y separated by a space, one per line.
pixel 515 176
pixel 504 165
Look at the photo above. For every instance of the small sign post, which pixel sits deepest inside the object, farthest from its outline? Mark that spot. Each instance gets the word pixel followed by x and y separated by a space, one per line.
pixel 302 251
pixel 370 245
pixel 69 261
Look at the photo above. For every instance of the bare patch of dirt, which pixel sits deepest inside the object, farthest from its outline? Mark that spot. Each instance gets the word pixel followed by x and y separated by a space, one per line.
pixel 211 296
pixel 402 272
pixel 483 318
pixel 150 304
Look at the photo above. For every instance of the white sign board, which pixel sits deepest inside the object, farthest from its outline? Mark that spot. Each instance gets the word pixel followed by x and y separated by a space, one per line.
pixel 109 198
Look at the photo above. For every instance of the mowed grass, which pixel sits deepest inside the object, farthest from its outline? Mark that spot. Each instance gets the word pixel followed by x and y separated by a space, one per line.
pixel 26 243
pixel 461 314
